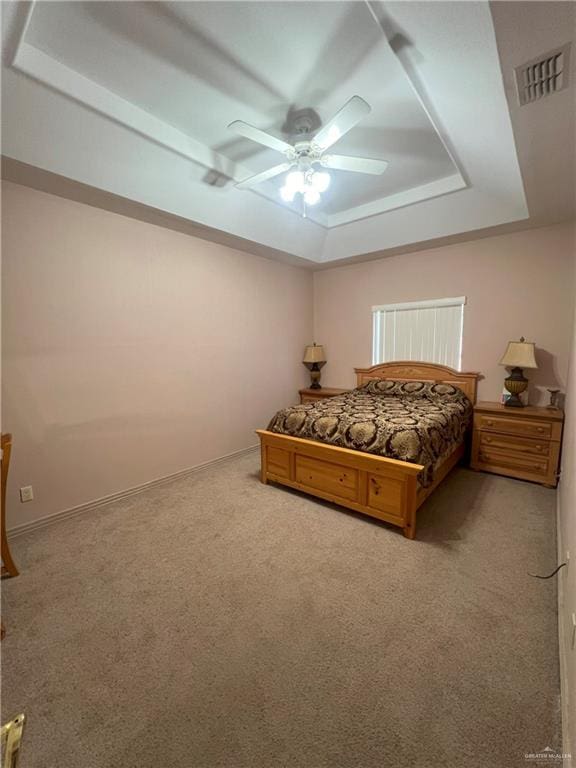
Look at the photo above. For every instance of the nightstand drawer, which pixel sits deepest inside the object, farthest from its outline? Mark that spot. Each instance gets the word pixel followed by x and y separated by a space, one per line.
pixel 517 442
pixel 514 461
pixel 514 426
pixel 493 441
pixel 308 399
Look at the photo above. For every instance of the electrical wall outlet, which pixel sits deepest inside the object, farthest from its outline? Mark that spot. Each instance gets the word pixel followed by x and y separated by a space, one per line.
pixel 26 493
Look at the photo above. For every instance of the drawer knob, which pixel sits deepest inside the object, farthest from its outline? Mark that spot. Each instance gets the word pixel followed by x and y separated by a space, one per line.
pixel 489 422
pixel 538 447
pixel 488 439
pixel 540 429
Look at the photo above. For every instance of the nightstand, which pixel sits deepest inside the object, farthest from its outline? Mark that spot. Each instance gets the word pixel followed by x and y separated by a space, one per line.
pixel 517 442
pixel 310 395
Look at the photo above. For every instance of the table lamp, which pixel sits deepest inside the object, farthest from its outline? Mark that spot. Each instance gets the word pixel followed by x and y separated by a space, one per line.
pixel 314 359
pixel 518 355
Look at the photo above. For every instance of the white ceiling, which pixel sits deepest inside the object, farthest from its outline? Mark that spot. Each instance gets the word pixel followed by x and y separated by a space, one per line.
pixel 174 65
pixel 134 99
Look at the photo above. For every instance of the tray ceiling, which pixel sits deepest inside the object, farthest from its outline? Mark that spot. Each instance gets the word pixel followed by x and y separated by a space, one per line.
pixel 135 98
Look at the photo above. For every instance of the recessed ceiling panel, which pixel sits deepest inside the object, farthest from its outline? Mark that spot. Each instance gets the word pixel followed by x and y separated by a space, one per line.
pixel 198 66
pixel 136 98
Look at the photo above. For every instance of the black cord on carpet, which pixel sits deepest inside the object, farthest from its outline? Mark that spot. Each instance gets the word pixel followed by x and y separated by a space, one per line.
pixel 535 575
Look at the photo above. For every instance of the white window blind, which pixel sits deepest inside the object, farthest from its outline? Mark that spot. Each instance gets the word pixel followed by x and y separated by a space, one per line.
pixel 428 331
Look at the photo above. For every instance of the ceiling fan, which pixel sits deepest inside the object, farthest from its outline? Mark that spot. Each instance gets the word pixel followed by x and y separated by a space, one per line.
pixel 308 152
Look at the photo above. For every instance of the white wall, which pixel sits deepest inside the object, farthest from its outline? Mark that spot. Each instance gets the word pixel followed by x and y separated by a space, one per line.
pixel 567 543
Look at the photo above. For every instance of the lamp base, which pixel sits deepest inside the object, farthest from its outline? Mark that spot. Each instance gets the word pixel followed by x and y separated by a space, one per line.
pixel 514 401
pixel 315 374
pixel 516 383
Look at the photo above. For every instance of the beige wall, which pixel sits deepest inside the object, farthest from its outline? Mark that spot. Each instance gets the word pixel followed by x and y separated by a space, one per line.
pixel 567 543
pixel 132 352
pixel 517 284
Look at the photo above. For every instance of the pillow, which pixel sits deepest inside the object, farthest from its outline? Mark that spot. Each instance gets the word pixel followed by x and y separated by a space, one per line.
pixel 380 387
pixel 431 389
pixel 390 387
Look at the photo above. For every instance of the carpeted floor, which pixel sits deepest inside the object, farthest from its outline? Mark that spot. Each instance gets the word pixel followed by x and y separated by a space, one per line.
pixel 218 623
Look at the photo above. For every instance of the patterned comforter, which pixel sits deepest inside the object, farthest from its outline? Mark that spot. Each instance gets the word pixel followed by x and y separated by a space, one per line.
pixel 415 421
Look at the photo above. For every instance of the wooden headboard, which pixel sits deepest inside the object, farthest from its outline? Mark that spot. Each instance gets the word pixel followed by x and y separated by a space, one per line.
pixel 414 371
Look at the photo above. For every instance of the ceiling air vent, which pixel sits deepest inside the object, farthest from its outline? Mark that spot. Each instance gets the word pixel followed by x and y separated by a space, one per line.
pixel 543 76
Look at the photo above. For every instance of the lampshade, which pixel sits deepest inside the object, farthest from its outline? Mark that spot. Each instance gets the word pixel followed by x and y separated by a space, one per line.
pixel 519 354
pixel 314 354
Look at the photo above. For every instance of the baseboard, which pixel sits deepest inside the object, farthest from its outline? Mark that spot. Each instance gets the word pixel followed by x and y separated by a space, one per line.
pixel 564 690
pixel 64 514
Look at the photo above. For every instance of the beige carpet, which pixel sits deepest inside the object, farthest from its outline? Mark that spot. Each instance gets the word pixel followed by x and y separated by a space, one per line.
pixel 218 623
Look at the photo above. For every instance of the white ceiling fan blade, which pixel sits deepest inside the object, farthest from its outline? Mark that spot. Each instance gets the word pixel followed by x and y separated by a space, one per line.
pixel 261 137
pixel 252 181
pixel 356 164
pixel 350 114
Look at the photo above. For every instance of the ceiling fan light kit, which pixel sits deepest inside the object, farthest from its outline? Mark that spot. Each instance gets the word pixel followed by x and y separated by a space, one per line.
pixel 310 184
pixel 309 152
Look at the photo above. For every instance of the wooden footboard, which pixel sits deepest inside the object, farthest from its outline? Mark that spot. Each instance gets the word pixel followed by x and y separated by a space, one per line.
pixel 377 486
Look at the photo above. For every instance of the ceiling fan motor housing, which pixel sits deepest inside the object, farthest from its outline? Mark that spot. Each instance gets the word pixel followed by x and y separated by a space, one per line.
pixel 305 155
pixel 301 122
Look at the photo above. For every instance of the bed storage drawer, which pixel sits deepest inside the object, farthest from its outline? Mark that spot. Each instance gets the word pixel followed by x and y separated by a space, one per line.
pixel 327 477
pixel 278 462
pixel 386 494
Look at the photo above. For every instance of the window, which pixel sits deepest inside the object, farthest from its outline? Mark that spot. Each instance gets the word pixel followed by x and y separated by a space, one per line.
pixel 429 331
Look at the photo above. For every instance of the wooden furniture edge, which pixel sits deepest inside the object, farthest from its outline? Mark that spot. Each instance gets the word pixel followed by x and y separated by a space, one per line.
pixel 526 412
pixel 336 450
pixel 373 474
pixel 8 565
pixel 442 469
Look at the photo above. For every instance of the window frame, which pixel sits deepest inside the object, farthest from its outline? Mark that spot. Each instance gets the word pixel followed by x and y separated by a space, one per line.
pixel 378 309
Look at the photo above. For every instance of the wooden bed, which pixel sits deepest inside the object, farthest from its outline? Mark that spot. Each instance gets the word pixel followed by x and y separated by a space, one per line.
pixel 377 486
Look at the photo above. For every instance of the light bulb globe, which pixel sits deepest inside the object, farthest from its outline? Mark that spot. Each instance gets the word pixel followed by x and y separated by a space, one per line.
pixel 321 181
pixel 295 180
pixel 311 196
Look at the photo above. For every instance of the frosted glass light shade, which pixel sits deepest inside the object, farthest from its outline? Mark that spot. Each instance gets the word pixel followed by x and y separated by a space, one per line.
pixel 311 196
pixel 519 354
pixel 321 181
pixel 295 180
